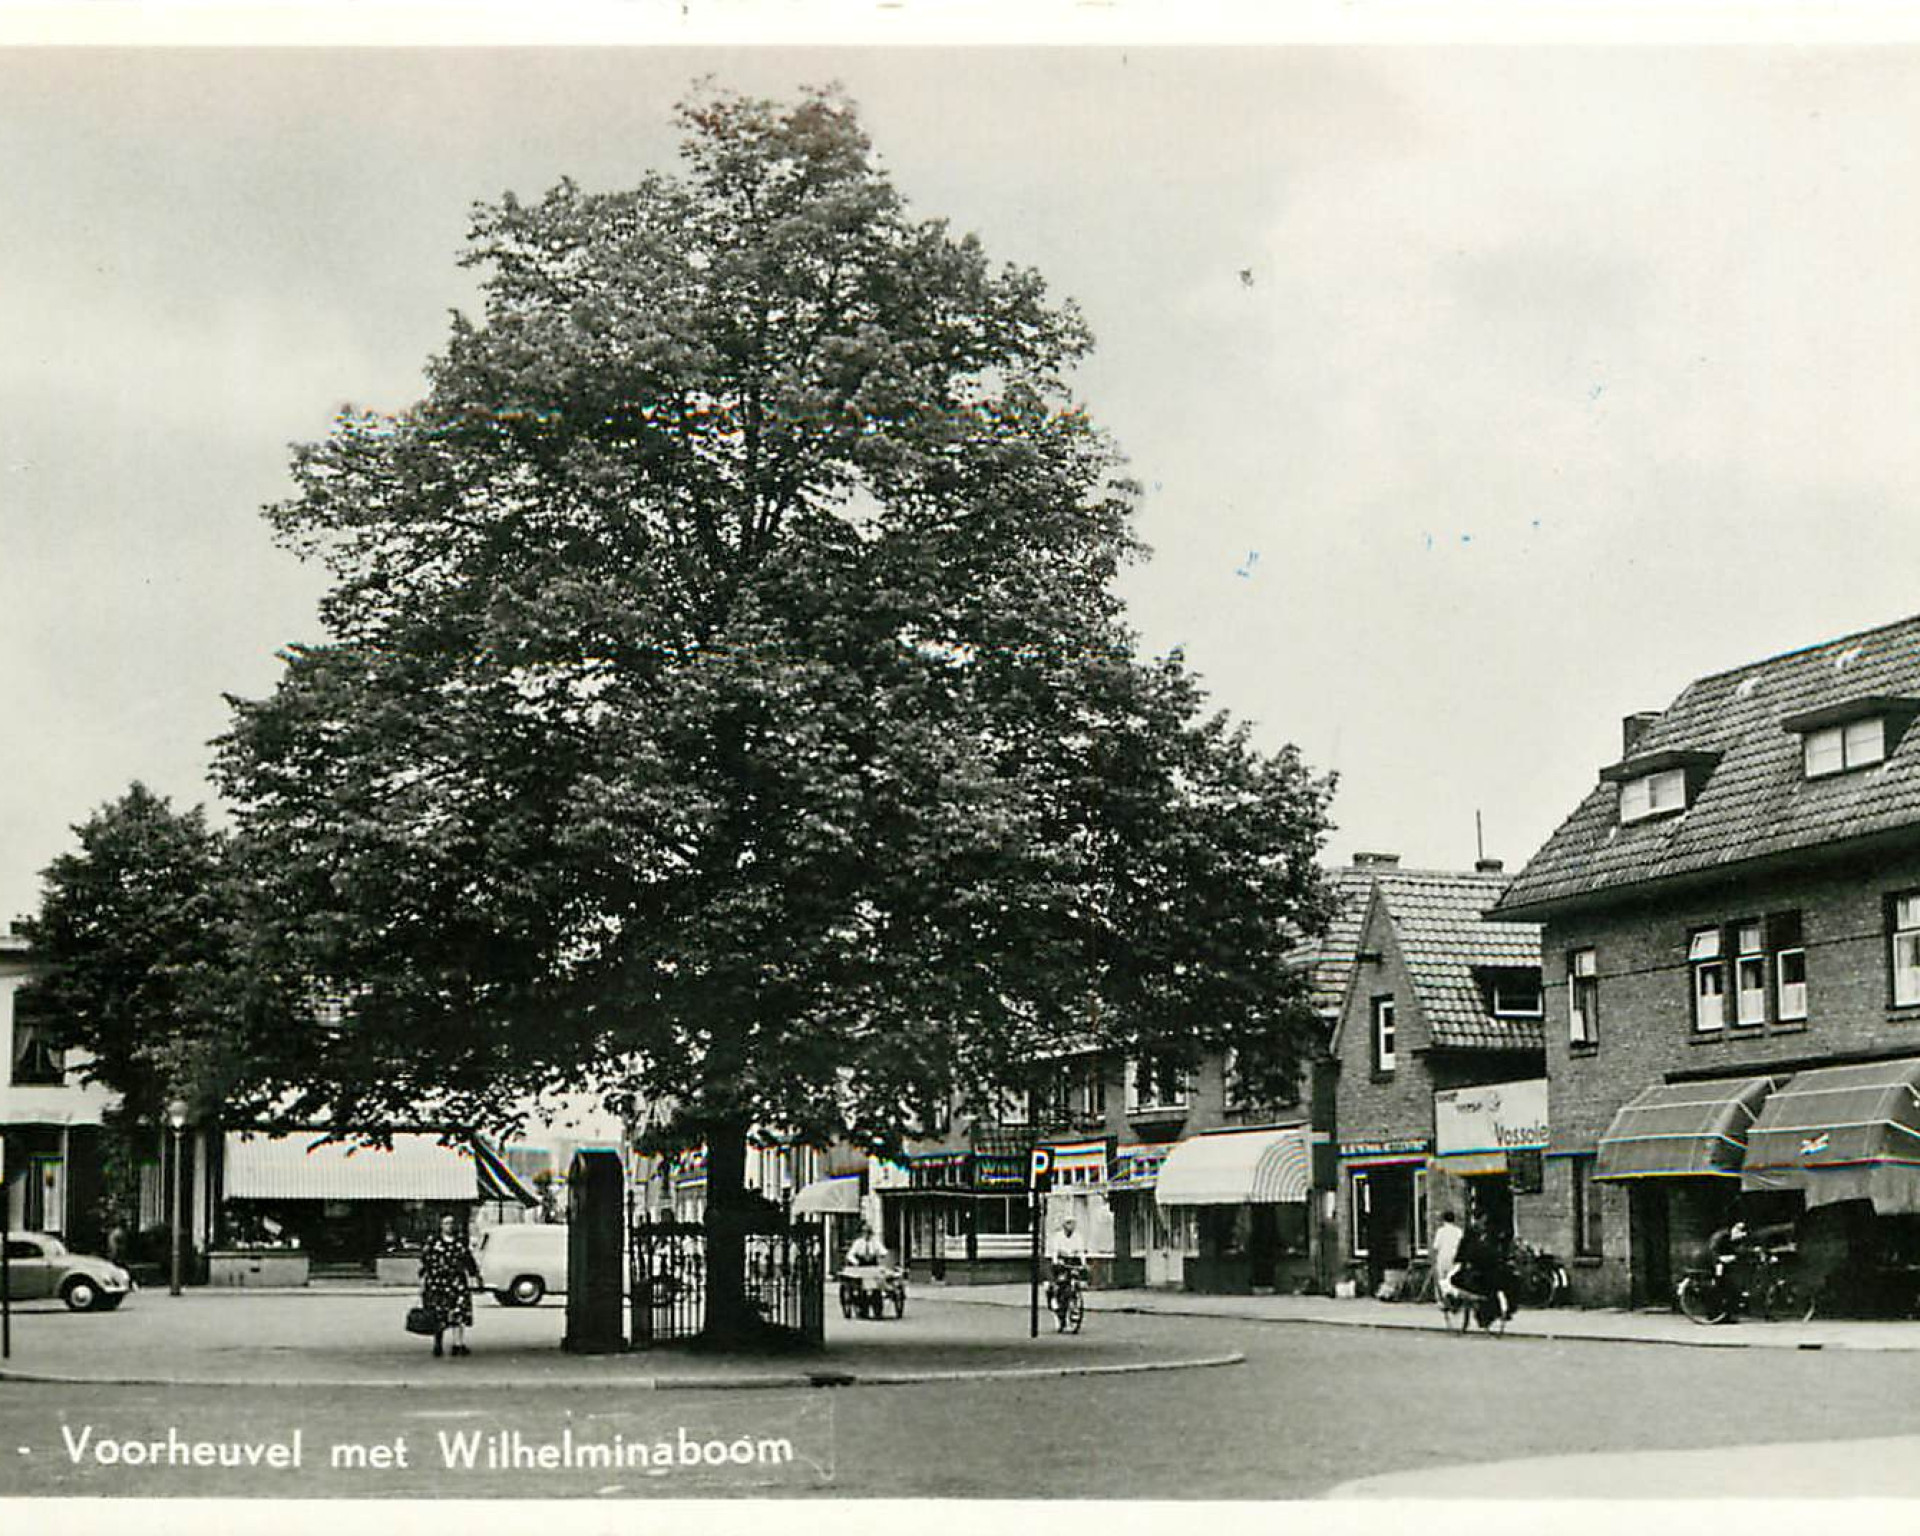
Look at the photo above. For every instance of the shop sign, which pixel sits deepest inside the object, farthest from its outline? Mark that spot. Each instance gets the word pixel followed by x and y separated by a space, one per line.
pixel 1497 1117
pixel 1383 1146
pixel 992 1170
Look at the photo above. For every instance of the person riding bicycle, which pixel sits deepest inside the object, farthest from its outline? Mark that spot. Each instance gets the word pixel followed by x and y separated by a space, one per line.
pixel 1484 1274
pixel 1067 1255
pixel 1727 1247
pixel 867 1251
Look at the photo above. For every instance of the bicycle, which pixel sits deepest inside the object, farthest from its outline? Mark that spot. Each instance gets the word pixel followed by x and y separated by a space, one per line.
pixel 1540 1279
pixel 1066 1297
pixel 1706 1297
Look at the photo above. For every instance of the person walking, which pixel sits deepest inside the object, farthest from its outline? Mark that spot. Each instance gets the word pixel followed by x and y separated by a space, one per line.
pixel 1445 1255
pixel 446 1267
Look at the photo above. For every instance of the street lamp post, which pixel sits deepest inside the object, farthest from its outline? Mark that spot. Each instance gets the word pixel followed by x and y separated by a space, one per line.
pixel 177 1118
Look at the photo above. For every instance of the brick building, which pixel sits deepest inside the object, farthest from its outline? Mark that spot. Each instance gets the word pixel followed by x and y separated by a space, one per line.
pixel 1732 938
pixel 1440 1094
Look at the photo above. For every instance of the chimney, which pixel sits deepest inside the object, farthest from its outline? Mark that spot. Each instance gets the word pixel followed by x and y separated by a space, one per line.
pixel 1484 866
pixel 1376 860
pixel 1633 727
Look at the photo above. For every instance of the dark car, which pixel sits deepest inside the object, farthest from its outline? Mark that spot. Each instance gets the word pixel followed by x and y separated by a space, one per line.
pixel 39 1266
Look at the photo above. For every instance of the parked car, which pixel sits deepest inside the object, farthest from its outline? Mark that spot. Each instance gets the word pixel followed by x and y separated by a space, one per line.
pixel 520 1264
pixel 39 1266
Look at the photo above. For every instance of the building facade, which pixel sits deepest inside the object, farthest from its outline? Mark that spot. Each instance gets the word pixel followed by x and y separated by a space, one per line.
pixel 1731 924
pixel 1441 1101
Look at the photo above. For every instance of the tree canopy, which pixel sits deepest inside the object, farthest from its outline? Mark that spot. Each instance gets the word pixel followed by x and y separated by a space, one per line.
pixel 137 931
pixel 724 699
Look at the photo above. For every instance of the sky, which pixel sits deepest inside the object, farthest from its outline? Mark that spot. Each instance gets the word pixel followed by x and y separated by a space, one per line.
pixel 1480 396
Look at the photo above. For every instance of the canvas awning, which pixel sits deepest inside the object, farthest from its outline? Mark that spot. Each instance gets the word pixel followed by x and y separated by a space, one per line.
pixel 1264 1167
pixel 834 1196
pixel 301 1166
pixel 1842 1133
pixel 1683 1130
pixel 497 1180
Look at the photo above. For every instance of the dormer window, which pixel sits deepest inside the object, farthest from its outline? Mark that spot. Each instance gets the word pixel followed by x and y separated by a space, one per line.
pixel 1514 993
pixel 1662 783
pixel 1855 733
pixel 1653 794
pixel 1836 748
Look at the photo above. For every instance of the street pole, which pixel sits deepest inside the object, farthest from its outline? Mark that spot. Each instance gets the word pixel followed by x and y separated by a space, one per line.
pixel 177 1114
pixel 1038 1169
pixel 6 1264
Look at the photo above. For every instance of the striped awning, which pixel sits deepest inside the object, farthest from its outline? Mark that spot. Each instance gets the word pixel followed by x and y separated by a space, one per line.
pixel 1683 1130
pixel 261 1165
pixel 1085 1158
pixel 1264 1167
pixel 497 1180
pixel 836 1196
pixel 1842 1133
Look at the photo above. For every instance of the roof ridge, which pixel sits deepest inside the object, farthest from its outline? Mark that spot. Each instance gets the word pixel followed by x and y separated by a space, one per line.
pixel 1799 650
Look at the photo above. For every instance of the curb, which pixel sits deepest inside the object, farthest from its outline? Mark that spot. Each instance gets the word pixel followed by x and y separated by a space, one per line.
pixel 799 1380
pixel 1538 1335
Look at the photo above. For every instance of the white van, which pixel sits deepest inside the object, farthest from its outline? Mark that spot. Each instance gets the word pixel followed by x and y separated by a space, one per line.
pixel 520 1264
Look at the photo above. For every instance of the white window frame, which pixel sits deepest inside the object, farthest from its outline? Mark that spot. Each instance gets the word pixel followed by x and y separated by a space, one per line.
pixel 1906 939
pixel 1790 997
pixel 1653 794
pixel 1421 1195
pixel 1583 974
pixel 1505 1008
pixel 1361 1202
pixel 1709 978
pixel 1749 965
pixel 1841 748
pixel 1154 1098
pixel 1385 1033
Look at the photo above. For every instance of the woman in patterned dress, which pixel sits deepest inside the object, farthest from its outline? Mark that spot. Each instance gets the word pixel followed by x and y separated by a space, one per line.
pixel 445 1265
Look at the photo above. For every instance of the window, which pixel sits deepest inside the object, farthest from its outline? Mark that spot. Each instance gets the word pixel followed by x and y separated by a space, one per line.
pixel 1837 748
pixel 1906 949
pixel 1586 1209
pixel 1516 994
pixel 1420 1210
pixel 1383 1034
pixel 1709 981
pixel 1749 975
pixel 1153 1086
pixel 1653 794
pixel 1789 967
pixel 1362 1210
pixel 1583 998
pixel 36 1061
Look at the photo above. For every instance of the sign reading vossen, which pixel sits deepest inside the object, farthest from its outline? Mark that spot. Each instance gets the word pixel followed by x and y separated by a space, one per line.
pixel 1495 1117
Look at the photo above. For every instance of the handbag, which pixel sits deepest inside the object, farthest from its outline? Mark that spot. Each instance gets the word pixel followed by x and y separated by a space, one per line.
pixel 421 1320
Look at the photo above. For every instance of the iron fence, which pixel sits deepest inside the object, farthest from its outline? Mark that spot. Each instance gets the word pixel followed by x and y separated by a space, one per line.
pixel 784 1278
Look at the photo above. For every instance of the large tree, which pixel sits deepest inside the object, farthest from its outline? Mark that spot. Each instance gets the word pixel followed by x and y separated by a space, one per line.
pixel 724 700
pixel 137 931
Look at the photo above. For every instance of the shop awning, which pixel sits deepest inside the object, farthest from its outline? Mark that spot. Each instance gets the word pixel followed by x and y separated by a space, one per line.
pixel 1842 1133
pixel 839 1196
pixel 1264 1167
pixel 300 1166
pixel 1681 1130
pixel 497 1180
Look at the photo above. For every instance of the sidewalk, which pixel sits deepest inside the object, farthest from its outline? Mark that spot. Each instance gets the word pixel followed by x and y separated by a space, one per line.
pixel 354 1338
pixel 1610 1326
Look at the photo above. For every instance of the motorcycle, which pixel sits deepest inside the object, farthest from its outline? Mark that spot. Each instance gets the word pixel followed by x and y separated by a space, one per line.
pixel 867 1290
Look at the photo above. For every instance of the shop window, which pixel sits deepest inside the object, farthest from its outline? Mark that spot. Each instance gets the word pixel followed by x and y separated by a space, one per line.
pixel 1904 919
pixel 1586 1208
pixel 1419 1210
pixel 1709 981
pixel 1749 975
pixel 1583 999
pixel 1385 1034
pixel 1361 1209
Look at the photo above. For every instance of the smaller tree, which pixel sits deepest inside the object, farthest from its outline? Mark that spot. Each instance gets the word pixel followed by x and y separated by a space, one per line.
pixel 139 935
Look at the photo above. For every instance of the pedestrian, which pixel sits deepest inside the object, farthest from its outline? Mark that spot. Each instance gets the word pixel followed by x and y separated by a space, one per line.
pixel 1482 1275
pixel 446 1265
pixel 1445 1251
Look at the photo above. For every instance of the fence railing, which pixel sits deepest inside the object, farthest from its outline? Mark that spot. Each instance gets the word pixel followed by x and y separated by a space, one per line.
pixel 784 1278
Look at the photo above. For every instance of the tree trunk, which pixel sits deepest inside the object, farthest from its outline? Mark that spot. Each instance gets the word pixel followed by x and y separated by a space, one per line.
pixel 730 1322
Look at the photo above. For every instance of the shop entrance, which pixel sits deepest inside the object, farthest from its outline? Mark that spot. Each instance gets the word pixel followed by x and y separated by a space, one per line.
pixel 1491 1196
pixel 1649 1239
pixel 1383 1220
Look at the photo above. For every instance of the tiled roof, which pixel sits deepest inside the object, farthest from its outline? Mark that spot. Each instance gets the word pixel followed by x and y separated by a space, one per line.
pixel 1757 799
pixel 1331 958
pixel 1444 939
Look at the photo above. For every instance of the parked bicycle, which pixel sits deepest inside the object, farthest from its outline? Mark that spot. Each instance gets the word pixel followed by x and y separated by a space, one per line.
pixel 1539 1278
pixel 1772 1292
